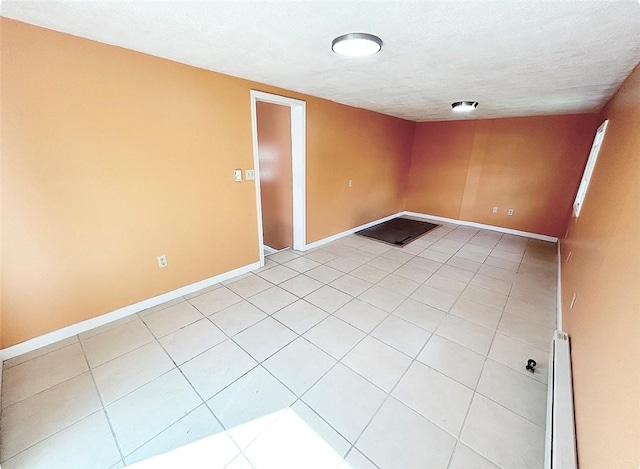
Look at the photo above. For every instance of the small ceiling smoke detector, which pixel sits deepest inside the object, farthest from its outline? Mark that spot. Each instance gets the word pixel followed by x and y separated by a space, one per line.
pixel 356 44
pixel 464 106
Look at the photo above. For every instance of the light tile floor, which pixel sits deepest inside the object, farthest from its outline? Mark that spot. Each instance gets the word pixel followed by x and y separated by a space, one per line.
pixel 356 354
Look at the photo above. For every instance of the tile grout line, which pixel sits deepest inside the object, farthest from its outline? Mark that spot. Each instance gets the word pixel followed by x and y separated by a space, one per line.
pixel 298 398
pixel 156 339
pixel 353 445
pixel 203 402
pixel 476 392
pixel 301 336
pixel 261 363
pixel 104 409
pixel 484 362
pixel 337 361
pixel 46 389
pixel 253 368
pixel 176 366
pixel 6 367
pixel 352 297
pixel 389 395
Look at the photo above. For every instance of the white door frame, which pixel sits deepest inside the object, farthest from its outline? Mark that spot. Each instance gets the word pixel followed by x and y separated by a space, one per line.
pixel 298 160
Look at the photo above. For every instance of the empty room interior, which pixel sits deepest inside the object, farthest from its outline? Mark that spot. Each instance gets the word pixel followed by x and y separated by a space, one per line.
pixel 204 260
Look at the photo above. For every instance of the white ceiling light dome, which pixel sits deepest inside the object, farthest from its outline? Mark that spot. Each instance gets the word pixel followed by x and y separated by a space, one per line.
pixel 464 106
pixel 356 44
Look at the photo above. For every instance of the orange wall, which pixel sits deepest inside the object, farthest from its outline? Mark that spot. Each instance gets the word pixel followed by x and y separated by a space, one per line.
pixel 604 272
pixel 439 166
pixel 373 150
pixel 276 186
pixel 112 157
pixel 462 169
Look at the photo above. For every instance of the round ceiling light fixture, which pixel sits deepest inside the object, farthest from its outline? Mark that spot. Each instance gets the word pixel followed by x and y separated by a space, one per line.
pixel 464 106
pixel 356 44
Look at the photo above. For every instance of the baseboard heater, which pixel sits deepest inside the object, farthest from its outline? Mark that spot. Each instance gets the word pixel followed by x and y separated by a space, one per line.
pixel 560 443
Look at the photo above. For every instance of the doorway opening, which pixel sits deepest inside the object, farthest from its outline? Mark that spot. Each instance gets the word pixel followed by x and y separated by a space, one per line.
pixel 280 180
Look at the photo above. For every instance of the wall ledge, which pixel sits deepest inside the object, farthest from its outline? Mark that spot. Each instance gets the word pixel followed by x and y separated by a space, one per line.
pixel 88 324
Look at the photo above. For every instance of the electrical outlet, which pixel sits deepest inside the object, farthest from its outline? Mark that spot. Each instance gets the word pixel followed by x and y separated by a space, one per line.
pixel 237 175
pixel 350 182
pixel 249 174
pixel 162 261
pixel 510 212
pixel 494 210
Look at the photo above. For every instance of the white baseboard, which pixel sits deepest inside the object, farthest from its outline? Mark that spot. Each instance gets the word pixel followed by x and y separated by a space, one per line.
pixel 559 292
pixel 500 229
pixel 83 326
pixel 268 249
pixel 473 224
pixel 334 237
pixel 514 232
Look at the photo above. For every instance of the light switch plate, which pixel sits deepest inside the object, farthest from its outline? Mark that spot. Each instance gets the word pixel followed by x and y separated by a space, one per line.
pixel 249 174
pixel 237 175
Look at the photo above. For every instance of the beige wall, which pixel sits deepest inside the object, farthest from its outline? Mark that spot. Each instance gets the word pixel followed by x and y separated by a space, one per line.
pixel 111 158
pixel 462 169
pixel 276 185
pixel 604 272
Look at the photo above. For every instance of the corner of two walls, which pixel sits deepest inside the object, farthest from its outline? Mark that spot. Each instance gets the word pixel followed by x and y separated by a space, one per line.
pixel 112 157
pixel 439 165
pixel 462 169
pixel 533 165
pixel 370 149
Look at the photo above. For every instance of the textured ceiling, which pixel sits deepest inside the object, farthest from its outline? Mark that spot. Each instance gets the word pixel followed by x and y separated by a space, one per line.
pixel 517 58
